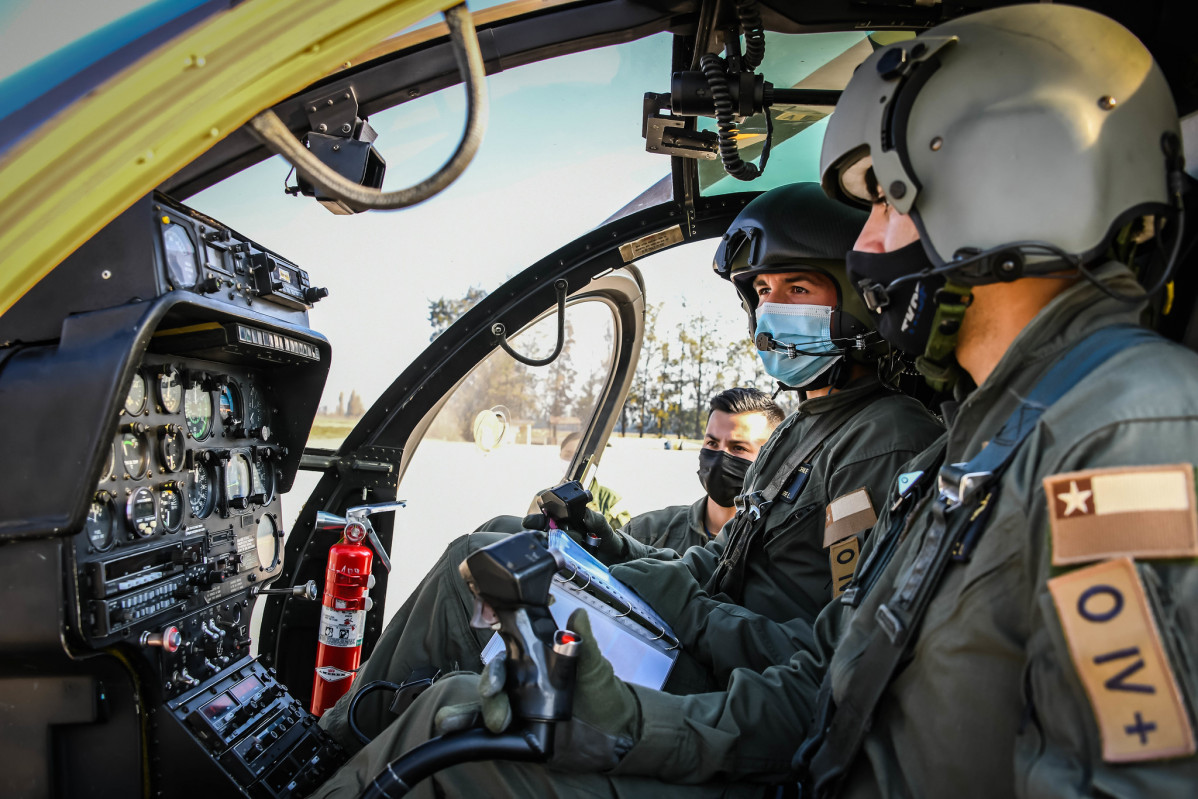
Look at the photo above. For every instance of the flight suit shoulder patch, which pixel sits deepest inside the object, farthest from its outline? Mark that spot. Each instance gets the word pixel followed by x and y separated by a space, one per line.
pixel 1116 650
pixel 842 558
pixel 848 515
pixel 1134 511
pixel 844 518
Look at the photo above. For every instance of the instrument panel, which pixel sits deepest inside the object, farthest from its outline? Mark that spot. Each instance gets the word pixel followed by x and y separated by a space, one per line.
pixel 185 515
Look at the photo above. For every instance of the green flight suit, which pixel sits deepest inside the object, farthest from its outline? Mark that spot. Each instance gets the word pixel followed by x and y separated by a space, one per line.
pixel 990 702
pixel 432 628
pixel 678 527
pixel 788 576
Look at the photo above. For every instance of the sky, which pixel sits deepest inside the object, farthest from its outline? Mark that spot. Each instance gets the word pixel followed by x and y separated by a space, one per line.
pixel 562 152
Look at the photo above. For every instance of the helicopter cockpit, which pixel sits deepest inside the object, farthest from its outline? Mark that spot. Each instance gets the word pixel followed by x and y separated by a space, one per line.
pixel 210 343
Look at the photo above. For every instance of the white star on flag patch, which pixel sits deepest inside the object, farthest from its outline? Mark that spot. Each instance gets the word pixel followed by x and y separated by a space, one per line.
pixel 1134 511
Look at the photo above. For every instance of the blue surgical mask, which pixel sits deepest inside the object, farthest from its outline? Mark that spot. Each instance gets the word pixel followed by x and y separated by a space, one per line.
pixel 809 329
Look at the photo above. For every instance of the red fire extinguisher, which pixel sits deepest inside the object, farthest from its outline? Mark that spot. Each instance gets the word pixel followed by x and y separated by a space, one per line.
pixel 343 613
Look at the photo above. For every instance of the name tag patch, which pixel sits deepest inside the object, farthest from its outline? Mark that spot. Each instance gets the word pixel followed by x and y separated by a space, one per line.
pixel 1140 512
pixel 1116 649
pixel 848 515
pixel 843 557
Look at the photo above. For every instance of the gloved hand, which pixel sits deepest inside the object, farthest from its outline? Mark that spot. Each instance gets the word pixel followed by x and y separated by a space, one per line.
pixel 606 716
pixel 606 719
pixel 493 706
pixel 671 587
pixel 613 546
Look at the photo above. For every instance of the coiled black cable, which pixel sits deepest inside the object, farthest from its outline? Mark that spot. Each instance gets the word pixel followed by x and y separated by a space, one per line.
pixel 716 74
pixel 750 23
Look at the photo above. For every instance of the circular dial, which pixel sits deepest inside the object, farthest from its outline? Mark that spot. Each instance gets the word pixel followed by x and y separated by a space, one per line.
pixel 135 400
pixel 230 406
pixel 142 512
pixel 201 491
pixel 257 415
pixel 100 520
pixel 197 412
pixel 134 454
pixel 267 540
pixel 171 447
pixel 170 390
pixel 237 477
pixel 170 507
pixel 180 256
pixel 262 480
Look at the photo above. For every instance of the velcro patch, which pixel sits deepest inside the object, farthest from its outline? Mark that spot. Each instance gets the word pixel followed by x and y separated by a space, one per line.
pixel 848 515
pixel 1116 649
pixel 1134 511
pixel 843 557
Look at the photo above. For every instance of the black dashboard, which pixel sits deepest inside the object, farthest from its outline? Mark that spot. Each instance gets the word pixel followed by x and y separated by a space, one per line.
pixel 164 378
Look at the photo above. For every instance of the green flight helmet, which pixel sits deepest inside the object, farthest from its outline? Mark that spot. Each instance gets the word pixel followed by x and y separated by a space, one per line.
pixel 1020 140
pixel 797 228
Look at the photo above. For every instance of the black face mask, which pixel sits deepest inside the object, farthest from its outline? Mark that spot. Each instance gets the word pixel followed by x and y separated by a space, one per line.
pixel 722 475
pixel 909 308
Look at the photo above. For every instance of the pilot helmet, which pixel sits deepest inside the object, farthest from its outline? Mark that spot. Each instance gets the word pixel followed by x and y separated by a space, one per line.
pixel 1016 137
pixel 797 228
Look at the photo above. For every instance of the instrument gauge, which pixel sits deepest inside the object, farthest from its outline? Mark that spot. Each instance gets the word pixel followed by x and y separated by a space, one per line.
pixel 170 507
pixel 100 521
pixel 201 492
pixel 237 480
pixel 257 414
pixel 231 409
pixel 134 454
pixel 135 400
pixel 170 390
pixel 262 481
pixel 267 540
pixel 171 447
pixel 197 411
pixel 142 512
pixel 181 262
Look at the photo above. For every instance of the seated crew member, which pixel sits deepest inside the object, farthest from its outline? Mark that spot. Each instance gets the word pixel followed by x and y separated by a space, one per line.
pixel 747 598
pixel 739 422
pixel 430 632
pixel 603 499
pixel 1021 633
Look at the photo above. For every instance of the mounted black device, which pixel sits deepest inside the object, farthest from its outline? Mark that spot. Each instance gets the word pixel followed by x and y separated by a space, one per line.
pixel 344 142
pixel 725 88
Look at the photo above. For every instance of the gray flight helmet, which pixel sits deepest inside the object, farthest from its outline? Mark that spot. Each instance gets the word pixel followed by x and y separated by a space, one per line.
pixel 791 229
pixel 1022 125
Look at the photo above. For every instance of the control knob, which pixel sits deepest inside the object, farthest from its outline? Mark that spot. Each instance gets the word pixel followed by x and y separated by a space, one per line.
pixel 169 639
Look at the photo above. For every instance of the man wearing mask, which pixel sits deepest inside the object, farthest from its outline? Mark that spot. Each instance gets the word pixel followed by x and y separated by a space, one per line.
pixel 748 597
pixel 1024 623
pixel 430 634
pixel 739 423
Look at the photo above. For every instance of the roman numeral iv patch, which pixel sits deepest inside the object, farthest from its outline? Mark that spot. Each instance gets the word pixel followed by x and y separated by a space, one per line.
pixel 1116 649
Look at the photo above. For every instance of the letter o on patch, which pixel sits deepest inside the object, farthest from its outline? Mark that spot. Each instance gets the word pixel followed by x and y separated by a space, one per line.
pixel 1089 613
pixel 846 555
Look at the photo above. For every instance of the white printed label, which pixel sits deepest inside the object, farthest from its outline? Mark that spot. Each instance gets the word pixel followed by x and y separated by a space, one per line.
pixel 341 627
pixel 332 673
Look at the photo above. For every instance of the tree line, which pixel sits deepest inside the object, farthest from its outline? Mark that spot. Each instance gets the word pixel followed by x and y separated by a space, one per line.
pixel 680 367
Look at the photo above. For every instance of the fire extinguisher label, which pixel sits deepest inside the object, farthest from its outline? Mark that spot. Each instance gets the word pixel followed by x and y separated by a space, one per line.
pixel 341 627
pixel 332 673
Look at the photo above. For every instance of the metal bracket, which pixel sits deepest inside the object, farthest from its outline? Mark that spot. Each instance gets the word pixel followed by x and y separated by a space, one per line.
pixel 335 114
pixel 667 134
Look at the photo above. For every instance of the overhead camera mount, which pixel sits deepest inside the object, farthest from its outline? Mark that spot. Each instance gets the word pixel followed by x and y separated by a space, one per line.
pixel 727 89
